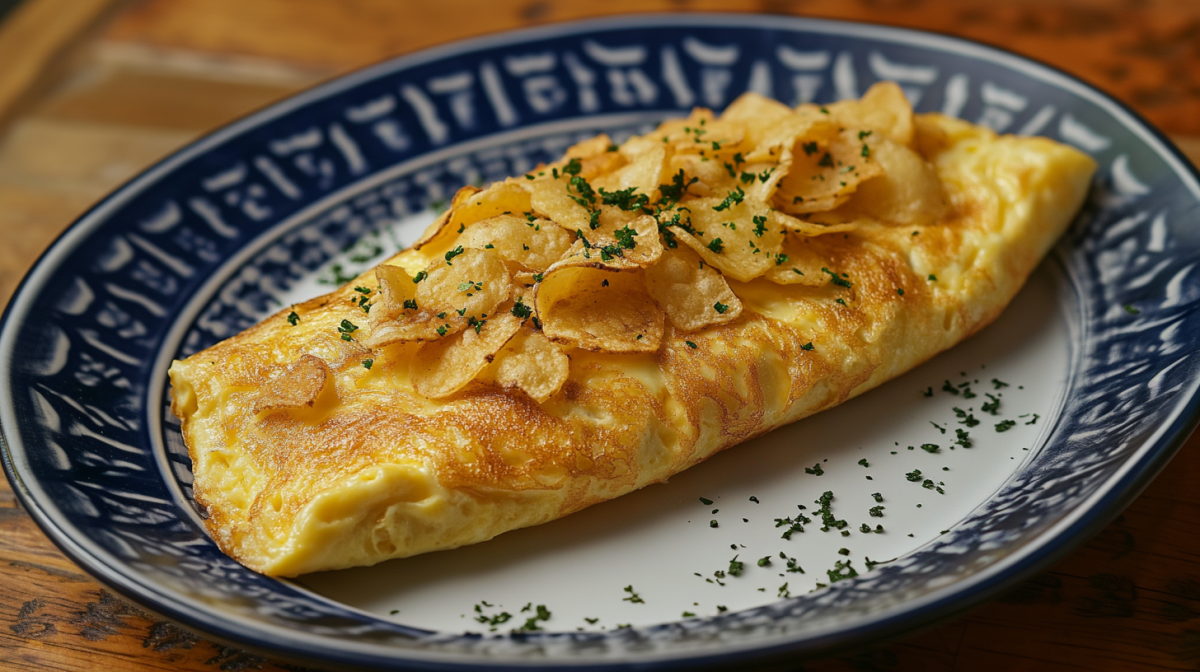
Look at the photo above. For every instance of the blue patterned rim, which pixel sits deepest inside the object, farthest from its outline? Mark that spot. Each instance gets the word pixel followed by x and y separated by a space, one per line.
pixel 171 262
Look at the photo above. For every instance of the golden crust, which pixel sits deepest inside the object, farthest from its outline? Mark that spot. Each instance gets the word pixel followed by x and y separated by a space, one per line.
pixel 355 467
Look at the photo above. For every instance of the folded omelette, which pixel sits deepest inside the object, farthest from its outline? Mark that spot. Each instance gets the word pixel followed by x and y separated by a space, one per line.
pixel 570 335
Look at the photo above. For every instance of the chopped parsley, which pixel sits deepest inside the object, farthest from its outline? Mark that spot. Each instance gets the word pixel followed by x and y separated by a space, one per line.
pixel 674 192
pixel 992 406
pixel 876 511
pixel 706 501
pixel 807 346
pixel 346 329
pixel 531 623
pixel 716 245
pixel 421 275
pixel 932 277
pixel 841 570
pixel 735 566
pixel 816 470
pixel 914 475
pixel 691 345
pixel 521 310
pixel 368 363
pixel 713 523
pixel 625 199
pixel 764 561
pixel 735 197
pixel 877 496
pixel 633 596
pixel 834 278
pixel 826 161
pixel 864 462
pixel 929 447
pixel 453 253
pixel 1131 310
pixel 828 521
pixel 781 259
pixel 410 304
pixel 964 439
pixel 720 307
pixel 809 148
pixel 293 319
pixel 1005 425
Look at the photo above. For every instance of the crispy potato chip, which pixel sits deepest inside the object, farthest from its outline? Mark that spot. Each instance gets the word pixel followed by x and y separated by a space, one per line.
pixel 599 310
pixel 711 176
pixel 908 192
pixel 826 170
pixel 812 229
pixel 623 241
pixel 396 316
pixel 471 205
pixel 554 199
pixel 700 133
pixel 531 363
pixel 295 386
pixel 596 156
pixel 883 109
pixel 642 175
pixel 396 287
pixel 755 113
pixel 468 285
pixel 783 133
pixel 733 234
pixel 804 260
pixel 443 367
pixel 534 244
pixel 597 145
pixel 693 294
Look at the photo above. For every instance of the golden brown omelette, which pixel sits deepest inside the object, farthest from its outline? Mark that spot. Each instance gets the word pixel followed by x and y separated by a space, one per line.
pixel 606 321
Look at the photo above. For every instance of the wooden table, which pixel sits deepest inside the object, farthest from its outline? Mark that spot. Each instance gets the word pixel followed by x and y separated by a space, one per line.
pixel 92 91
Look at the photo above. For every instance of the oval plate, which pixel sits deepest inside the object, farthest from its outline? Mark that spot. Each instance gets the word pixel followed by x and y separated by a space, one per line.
pixel 211 239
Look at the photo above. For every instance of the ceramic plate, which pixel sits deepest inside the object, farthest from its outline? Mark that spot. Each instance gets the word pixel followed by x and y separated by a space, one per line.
pixel 1067 405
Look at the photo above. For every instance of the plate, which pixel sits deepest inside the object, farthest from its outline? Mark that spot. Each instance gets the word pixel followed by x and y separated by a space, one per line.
pixel 1075 397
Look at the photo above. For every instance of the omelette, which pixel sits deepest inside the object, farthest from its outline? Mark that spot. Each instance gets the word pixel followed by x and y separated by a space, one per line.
pixel 603 322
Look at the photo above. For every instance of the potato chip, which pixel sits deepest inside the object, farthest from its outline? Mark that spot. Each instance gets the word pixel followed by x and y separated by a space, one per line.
pixel 693 294
pixel 555 199
pixel 803 261
pixel 811 229
pixel 395 316
pixel 396 287
pixel 782 134
pixel 711 177
pixel 471 205
pixel 470 283
pixel 443 367
pixel 826 170
pixel 641 175
pixel 594 146
pixel 908 193
pixel 622 241
pixel 599 310
pixel 531 363
pixel 883 109
pixel 733 234
pixel 755 113
pixel 532 243
pixel 700 133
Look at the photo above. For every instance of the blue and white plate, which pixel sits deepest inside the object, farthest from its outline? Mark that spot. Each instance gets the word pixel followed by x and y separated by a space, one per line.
pixel 1072 400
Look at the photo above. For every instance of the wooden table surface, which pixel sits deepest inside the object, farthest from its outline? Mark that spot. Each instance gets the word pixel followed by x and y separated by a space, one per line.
pixel 92 91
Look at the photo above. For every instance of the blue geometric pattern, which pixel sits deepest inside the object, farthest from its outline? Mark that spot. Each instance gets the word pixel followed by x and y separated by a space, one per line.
pixel 194 251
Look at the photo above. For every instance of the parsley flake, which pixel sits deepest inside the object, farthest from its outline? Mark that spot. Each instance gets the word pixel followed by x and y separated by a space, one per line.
pixel 293 319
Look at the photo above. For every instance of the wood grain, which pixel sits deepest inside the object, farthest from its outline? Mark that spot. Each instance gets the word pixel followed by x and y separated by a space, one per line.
pixel 95 110
pixel 34 40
